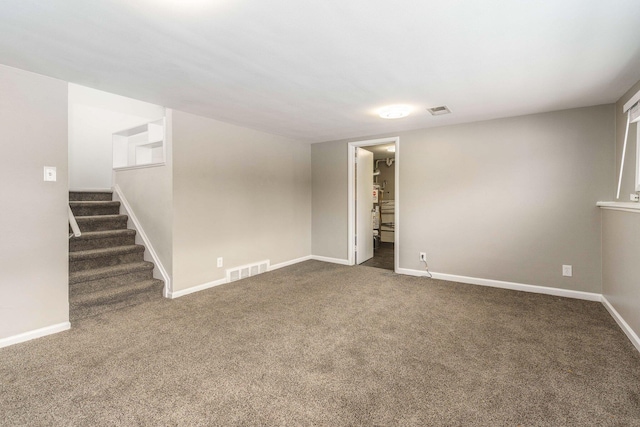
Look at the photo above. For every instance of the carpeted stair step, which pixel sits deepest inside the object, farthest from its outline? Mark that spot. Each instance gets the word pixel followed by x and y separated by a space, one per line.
pixel 102 239
pixel 110 299
pixel 107 270
pixel 102 222
pixel 89 208
pixel 105 257
pixel 105 294
pixel 90 195
pixel 113 276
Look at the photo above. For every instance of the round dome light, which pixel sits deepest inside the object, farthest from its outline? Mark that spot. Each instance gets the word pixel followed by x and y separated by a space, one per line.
pixel 395 111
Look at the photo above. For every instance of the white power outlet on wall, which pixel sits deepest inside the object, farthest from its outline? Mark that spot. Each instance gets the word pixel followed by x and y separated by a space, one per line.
pixel 219 261
pixel 49 173
pixel 423 256
pixel 567 270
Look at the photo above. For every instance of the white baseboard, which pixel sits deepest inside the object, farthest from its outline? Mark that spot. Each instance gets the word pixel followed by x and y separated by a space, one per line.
pixel 629 332
pixel 119 195
pixel 38 333
pixel 183 292
pixel 218 282
pixel 588 296
pixel 331 260
pixel 288 263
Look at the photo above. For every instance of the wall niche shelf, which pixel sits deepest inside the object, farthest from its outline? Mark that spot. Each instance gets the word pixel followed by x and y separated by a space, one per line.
pixel 620 206
pixel 140 146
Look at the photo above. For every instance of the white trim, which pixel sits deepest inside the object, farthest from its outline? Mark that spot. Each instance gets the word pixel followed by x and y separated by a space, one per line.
pixel 148 165
pixel 37 333
pixel 624 151
pixel 218 282
pixel 629 332
pixel 288 263
pixel 351 211
pixel 620 206
pixel 588 296
pixel 332 260
pixel 638 157
pixel 351 196
pixel 396 210
pixel 197 288
pixel 119 195
pixel 91 190
pixel 73 223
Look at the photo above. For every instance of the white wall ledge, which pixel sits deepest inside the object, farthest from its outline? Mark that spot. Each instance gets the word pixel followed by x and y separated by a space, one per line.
pixel 620 206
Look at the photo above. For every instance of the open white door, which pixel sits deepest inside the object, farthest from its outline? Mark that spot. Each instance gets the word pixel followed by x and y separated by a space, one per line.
pixel 364 205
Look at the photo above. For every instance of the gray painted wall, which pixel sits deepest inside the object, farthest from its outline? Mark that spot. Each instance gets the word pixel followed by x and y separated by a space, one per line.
pixel 510 199
pixel 34 243
pixel 621 231
pixel 329 199
pixel 239 194
pixel 620 249
pixel 149 192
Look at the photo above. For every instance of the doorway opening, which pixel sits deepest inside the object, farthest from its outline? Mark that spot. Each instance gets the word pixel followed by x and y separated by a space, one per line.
pixel 374 214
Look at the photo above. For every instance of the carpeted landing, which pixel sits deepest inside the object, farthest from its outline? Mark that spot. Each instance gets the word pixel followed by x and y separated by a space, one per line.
pixel 329 345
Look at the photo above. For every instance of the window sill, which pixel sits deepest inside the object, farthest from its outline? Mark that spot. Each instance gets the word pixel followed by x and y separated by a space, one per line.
pixel 620 206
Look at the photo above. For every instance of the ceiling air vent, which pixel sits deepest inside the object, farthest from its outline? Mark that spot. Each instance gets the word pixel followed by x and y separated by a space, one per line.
pixel 437 111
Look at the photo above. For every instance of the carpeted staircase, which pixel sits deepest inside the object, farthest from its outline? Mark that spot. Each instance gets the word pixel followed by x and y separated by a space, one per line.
pixel 106 268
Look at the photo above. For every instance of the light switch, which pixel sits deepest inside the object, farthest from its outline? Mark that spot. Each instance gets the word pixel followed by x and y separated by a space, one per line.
pixel 49 173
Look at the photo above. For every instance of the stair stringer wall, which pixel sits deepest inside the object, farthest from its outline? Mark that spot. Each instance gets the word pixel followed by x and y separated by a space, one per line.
pixel 146 196
pixel 150 254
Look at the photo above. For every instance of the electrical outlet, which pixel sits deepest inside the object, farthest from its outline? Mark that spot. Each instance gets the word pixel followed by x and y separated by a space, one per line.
pixel 219 261
pixel 567 270
pixel 49 173
pixel 423 256
pixel 634 197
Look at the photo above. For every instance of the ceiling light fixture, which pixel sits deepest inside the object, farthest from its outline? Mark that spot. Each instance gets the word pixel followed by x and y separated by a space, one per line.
pixel 394 111
pixel 391 149
pixel 187 5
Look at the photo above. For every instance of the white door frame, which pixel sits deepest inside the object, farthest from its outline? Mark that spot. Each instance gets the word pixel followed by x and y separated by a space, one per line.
pixel 352 198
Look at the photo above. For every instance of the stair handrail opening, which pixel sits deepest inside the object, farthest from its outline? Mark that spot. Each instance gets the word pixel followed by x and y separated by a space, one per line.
pixel 74 224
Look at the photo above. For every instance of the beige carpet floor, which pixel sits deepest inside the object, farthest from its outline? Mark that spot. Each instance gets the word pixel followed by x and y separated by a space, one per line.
pixel 317 344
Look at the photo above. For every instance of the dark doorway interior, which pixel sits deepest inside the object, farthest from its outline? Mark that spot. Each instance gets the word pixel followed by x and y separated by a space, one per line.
pixel 382 257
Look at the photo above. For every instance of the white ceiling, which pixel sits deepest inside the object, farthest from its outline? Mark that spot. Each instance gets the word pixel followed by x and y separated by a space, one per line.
pixel 317 71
